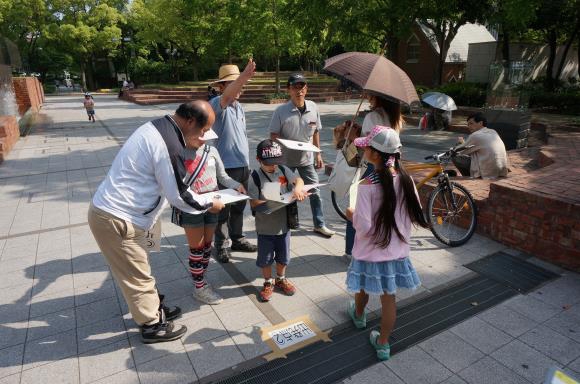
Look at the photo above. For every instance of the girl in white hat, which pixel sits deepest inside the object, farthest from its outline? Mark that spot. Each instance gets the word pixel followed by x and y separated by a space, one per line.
pixel 387 205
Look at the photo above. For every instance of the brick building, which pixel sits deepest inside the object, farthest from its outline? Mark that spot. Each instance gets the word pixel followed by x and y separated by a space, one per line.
pixel 418 54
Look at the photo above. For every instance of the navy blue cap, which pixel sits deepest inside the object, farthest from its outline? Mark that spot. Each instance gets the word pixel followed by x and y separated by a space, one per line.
pixel 296 78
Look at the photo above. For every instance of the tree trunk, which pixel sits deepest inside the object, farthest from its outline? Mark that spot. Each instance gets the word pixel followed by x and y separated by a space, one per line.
pixel 278 73
pixel 91 74
pixel 393 49
pixel 83 74
pixel 441 61
pixel 505 51
pixel 578 51
pixel 566 49
pixel 553 45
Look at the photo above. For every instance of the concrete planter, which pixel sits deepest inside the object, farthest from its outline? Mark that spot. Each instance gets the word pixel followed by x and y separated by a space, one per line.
pixel 512 126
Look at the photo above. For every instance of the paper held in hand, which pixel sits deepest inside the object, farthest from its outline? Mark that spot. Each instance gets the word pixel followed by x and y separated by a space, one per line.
pixel 298 145
pixel 271 191
pixel 275 200
pixel 228 196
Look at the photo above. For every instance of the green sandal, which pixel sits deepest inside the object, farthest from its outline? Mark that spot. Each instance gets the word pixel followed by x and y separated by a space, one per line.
pixel 359 322
pixel 383 350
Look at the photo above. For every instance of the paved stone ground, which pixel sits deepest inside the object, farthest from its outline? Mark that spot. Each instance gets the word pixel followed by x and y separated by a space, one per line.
pixel 64 320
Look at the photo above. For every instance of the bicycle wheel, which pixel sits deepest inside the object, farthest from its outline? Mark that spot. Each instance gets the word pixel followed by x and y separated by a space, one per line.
pixel 452 213
pixel 340 204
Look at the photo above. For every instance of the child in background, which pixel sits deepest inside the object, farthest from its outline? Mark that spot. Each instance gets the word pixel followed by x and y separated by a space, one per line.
pixel 272 228
pixel 89 104
pixel 387 204
pixel 205 169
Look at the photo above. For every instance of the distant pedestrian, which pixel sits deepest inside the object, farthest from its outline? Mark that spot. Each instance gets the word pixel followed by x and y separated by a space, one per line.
pixel 89 104
pixel 387 205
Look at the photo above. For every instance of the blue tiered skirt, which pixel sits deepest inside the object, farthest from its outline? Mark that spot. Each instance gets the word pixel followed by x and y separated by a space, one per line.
pixel 383 277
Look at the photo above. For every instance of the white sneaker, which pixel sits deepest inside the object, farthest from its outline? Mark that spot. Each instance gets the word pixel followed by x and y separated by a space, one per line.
pixel 324 231
pixel 207 295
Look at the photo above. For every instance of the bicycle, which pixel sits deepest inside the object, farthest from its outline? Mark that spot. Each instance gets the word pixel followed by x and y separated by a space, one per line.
pixel 451 209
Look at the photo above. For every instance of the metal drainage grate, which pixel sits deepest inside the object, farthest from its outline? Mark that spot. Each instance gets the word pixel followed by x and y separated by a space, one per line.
pixel 512 271
pixel 350 350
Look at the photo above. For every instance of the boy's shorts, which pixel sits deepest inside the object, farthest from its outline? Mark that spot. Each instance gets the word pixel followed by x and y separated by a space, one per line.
pixel 90 112
pixel 273 248
pixel 188 220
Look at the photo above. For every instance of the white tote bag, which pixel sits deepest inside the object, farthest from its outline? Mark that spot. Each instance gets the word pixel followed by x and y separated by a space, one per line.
pixel 342 176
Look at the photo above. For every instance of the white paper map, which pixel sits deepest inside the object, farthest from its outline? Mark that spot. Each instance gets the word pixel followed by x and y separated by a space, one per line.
pixel 298 145
pixel 271 191
pixel 228 196
pixel 282 200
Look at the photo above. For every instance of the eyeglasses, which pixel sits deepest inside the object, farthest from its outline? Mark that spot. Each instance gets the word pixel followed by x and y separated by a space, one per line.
pixel 298 86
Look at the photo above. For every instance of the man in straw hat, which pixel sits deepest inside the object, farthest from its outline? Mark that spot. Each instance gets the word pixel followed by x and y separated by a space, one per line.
pixel 232 145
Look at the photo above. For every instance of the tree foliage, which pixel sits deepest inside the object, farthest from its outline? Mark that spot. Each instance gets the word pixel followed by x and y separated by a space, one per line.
pixel 174 38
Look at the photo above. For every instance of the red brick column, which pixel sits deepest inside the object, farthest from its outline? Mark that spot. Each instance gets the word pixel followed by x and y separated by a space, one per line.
pixel 29 94
pixel 9 134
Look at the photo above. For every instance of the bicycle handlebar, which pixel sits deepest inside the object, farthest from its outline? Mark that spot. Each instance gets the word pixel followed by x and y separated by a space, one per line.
pixel 447 154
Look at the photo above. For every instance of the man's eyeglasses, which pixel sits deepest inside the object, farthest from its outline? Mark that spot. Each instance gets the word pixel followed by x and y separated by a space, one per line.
pixel 298 86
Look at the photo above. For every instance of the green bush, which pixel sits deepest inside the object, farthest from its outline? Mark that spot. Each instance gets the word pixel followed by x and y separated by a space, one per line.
pixel 49 88
pixel 565 101
pixel 464 94
pixel 281 95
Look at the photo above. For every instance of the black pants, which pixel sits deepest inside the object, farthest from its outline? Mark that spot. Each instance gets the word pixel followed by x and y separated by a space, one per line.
pixel 463 164
pixel 231 218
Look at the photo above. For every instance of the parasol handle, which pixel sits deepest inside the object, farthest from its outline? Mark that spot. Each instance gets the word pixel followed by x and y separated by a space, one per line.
pixel 359 105
pixel 346 141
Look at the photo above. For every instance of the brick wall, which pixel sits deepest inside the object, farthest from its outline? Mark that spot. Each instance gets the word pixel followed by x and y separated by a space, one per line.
pixel 29 94
pixel 9 134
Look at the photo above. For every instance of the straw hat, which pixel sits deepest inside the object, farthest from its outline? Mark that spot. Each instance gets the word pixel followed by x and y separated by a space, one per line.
pixel 228 72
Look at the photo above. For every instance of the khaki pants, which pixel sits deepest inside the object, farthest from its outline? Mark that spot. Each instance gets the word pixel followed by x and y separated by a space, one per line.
pixel 122 245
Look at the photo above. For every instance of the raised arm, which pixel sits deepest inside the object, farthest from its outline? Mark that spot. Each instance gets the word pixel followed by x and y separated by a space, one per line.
pixel 231 92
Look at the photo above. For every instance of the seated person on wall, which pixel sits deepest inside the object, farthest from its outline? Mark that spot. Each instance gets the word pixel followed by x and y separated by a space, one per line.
pixel 488 157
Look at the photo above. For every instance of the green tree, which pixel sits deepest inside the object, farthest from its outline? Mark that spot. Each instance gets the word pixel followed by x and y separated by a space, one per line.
pixel 558 21
pixel 87 29
pixel 513 18
pixel 444 18
pixel 184 28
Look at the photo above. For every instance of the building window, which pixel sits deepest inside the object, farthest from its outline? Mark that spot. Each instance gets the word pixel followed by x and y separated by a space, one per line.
pixel 413 49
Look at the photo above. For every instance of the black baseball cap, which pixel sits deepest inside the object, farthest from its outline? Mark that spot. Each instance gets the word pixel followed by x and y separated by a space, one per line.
pixel 269 152
pixel 296 78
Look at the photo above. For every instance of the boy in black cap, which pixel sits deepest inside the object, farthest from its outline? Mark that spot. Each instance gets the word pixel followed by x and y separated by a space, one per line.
pixel 272 227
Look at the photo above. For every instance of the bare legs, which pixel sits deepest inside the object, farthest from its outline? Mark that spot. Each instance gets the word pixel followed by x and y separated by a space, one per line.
pixel 388 313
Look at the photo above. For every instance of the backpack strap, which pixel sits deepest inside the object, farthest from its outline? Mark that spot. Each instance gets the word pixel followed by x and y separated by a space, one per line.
pixel 258 184
pixel 257 181
pixel 199 167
